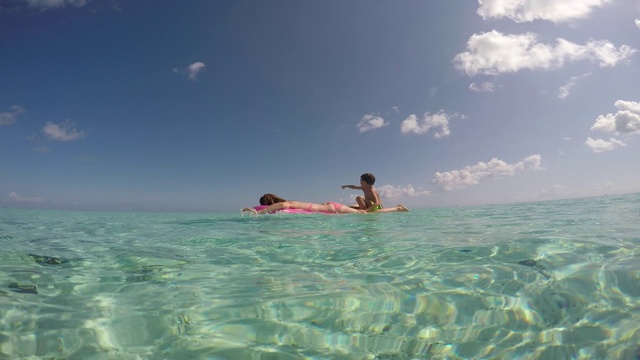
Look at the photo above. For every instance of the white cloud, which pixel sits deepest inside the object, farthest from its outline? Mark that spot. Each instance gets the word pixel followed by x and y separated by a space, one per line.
pixel 493 53
pixel 625 121
pixel 529 10
pixel 484 87
pixel 628 105
pixel 439 121
pixel 17 198
pixel 64 131
pixel 10 117
pixel 471 175
pixel 565 90
pixel 601 145
pixel 392 192
pixel 371 122
pixel 51 4
pixel 638 23
pixel 192 70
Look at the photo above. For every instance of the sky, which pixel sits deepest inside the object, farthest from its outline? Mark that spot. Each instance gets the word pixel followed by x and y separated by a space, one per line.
pixel 131 105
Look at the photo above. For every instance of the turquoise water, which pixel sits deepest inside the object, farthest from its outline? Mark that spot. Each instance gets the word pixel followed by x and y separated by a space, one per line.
pixel 547 280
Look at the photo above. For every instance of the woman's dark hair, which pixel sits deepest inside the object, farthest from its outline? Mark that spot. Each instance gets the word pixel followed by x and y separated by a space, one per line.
pixel 270 199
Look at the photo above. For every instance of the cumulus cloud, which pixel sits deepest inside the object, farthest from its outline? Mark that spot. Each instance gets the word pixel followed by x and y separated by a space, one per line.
pixel 493 53
pixel 638 23
pixel 439 122
pixel 17 198
pixel 51 4
pixel 192 70
pixel 601 145
pixel 625 121
pixel 392 192
pixel 64 131
pixel 565 90
pixel 10 117
pixel 371 122
pixel 484 87
pixel 471 175
pixel 549 10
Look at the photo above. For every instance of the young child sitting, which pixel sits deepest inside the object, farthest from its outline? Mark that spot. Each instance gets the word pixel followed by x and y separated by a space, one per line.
pixel 371 200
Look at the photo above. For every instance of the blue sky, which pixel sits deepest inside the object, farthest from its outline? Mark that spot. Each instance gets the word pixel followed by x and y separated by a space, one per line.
pixel 206 105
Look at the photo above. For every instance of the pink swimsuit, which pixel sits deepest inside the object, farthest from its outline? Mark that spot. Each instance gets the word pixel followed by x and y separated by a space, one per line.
pixel 336 206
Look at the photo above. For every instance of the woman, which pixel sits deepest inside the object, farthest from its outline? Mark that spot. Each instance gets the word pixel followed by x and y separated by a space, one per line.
pixel 275 203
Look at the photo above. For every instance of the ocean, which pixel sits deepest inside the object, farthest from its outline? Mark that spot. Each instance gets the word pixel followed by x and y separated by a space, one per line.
pixel 539 280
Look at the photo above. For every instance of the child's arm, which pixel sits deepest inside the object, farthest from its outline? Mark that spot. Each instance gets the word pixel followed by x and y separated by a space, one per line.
pixel 351 187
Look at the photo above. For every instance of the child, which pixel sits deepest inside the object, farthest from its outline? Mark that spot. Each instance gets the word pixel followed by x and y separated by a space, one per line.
pixel 371 200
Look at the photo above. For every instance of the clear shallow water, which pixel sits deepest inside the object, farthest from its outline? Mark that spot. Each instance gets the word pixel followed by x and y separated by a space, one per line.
pixel 548 280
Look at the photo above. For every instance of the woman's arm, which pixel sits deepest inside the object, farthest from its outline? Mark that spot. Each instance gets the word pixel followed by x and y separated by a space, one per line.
pixel 274 207
pixel 268 209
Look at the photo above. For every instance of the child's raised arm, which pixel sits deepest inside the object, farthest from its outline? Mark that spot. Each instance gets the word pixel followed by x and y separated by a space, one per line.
pixel 354 187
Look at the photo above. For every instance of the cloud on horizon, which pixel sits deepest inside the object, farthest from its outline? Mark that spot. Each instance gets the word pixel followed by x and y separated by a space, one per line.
pixel 494 53
pixel 438 121
pixel 526 10
pixel 14 197
pixel 393 192
pixel 471 175
pixel 10 117
pixel 556 191
pixel 64 131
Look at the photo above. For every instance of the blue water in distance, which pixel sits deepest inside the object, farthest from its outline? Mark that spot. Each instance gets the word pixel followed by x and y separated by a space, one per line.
pixel 544 280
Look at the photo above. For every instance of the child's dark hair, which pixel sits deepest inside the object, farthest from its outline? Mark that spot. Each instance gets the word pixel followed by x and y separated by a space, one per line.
pixel 368 178
pixel 270 199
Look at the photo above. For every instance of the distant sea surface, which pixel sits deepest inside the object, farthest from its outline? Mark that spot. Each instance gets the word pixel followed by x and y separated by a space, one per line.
pixel 543 280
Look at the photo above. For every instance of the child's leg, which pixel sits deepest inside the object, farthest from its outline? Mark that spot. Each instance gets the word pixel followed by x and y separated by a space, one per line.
pixel 396 208
pixel 361 203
